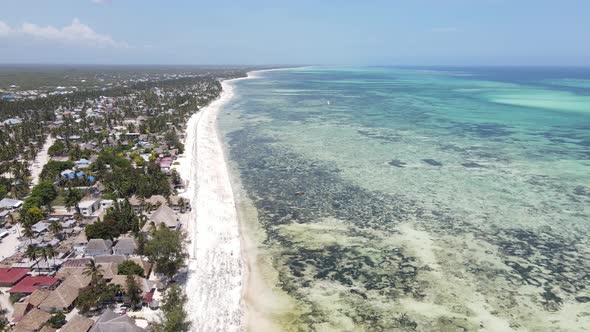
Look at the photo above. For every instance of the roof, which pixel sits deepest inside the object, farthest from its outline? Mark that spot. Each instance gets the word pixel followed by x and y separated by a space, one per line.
pixel 134 201
pixel 19 310
pixel 163 215
pixel 99 244
pixel 40 227
pixel 33 321
pixel 87 203
pixel 66 293
pixel 175 200
pixel 126 243
pixel 110 259
pixel 144 284
pixel 29 284
pixel 111 322
pixel 38 296
pixel 109 270
pixel 12 275
pixel 47 328
pixel 81 238
pixel 9 203
pixel 155 199
pixel 76 263
pixel 78 324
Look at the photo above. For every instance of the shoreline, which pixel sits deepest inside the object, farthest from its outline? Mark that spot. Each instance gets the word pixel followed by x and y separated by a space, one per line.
pixel 218 268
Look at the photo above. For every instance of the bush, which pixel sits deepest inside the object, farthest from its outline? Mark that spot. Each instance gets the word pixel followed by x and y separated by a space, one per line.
pixel 130 268
pixel 57 320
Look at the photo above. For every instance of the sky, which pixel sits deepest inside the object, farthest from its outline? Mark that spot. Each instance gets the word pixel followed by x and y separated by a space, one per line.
pixel 265 32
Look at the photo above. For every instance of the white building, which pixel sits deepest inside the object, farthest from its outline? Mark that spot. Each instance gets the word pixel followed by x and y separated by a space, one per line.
pixel 106 203
pixel 87 208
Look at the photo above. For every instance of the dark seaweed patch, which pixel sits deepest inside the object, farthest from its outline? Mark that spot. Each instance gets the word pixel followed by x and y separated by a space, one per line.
pixel 582 191
pixel 432 162
pixel 387 137
pixel 482 130
pixel 272 176
pixel 397 163
pixel 472 165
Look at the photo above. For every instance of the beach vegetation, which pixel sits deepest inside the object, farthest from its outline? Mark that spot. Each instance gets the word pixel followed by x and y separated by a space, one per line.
pixel 133 291
pixel 118 220
pixel 52 170
pixel 166 249
pixel 57 149
pixel 174 317
pixel 130 268
pixel 57 320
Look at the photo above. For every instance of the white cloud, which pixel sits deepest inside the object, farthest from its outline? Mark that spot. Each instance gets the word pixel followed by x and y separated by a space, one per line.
pixel 75 33
pixel 5 29
pixel 444 29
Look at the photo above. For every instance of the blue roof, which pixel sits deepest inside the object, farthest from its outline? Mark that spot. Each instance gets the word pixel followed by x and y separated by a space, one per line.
pixel 83 161
pixel 80 174
pixel 91 178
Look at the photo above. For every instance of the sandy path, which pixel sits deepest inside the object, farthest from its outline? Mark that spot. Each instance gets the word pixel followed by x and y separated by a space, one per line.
pixel 40 161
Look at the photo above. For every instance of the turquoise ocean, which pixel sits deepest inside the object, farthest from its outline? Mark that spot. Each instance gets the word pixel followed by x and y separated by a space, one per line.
pixel 426 199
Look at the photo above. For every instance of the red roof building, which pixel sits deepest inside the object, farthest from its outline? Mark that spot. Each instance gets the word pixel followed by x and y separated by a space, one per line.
pixel 10 276
pixel 30 284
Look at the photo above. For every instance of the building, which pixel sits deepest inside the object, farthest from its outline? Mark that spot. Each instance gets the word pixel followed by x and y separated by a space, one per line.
pixel 164 215
pixel 63 297
pixel 117 259
pixel 77 324
pixel 10 204
pixel 80 243
pixel 82 163
pixel 98 247
pixel 109 321
pixel 11 276
pixel 32 321
pixel 125 246
pixel 31 283
pixel 165 164
pixel 144 284
pixel 106 203
pixel 40 227
pixel 87 208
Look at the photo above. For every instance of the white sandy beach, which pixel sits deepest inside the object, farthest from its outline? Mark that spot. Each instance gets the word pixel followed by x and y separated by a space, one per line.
pixel 215 275
pixel 217 268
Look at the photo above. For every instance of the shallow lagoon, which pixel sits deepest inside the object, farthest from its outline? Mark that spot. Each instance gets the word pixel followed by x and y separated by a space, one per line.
pixel 411 199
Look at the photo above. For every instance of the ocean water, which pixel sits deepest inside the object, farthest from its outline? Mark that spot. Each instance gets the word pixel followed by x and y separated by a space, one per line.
pixel 427 199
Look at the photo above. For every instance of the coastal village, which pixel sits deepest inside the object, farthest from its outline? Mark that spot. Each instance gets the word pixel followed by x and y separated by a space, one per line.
pixel 93 221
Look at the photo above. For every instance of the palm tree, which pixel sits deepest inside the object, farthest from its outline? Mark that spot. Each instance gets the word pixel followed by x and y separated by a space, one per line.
pixel 32 253
pixel 94 271
pixel 28 231
pixel 49 209
pixel 55 228
pixel 42 253
pixel 51 253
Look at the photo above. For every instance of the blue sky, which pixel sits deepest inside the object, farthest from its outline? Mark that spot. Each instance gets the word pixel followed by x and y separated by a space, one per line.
pixel 443 32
